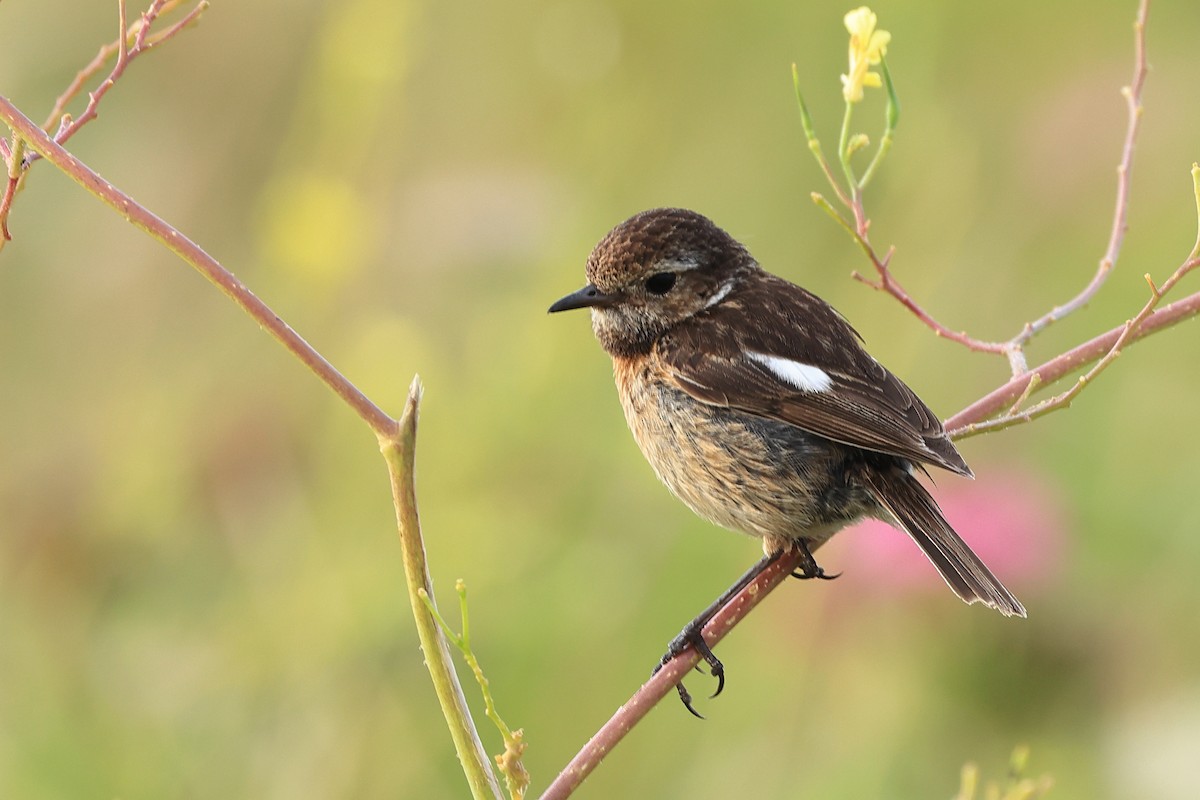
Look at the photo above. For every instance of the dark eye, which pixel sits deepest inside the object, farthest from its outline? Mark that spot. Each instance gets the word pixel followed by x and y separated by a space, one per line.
pixel 660 282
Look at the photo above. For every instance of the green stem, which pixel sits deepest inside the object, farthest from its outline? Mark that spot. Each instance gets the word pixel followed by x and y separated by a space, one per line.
pixel 844 151
pixel 1196 191
pixel 516 777
pixel 891 119
pixel 397 439
pixel 814 144
pixel 16 157
pixel 828 208
pixel 862 243
pixel 398 452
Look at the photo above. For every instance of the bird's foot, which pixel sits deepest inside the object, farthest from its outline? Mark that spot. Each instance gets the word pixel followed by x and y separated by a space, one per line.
pixel 691 636
pixel 809 568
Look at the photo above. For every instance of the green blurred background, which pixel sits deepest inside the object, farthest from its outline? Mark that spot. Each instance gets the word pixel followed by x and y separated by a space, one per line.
pixel 200 586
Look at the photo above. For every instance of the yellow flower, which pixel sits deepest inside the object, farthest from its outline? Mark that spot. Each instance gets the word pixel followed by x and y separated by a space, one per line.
pixel 867 46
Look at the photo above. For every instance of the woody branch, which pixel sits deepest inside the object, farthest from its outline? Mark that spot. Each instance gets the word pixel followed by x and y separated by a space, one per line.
pixel 396 437
pixel 998 409
pixel 1100 351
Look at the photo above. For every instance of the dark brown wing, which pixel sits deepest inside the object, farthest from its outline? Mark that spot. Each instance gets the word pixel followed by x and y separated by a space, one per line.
pixel 862 404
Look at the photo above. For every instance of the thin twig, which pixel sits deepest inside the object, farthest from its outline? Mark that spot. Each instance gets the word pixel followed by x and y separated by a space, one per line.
pixel 122 27
pixel 891 119
pixel 1115 340
pixel 61 122
pixel 1034 383
pixel 1126 334
pixel 810 135
pixel 396 439
pixel 516 777
pixel 967 422
pixel 206 265
pixel 125 56
pixel 1120 224
pixel 1013 349
pixel 13 155
pixel 888 283
pixel 663 682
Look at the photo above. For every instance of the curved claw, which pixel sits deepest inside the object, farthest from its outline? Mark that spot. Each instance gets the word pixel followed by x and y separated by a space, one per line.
pixel 720 684
pixel 820 574
pixel 691 636
pixel 686 697
pixel 809 568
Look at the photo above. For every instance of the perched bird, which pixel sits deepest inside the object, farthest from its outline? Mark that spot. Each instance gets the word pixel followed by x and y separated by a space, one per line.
pixel 757 405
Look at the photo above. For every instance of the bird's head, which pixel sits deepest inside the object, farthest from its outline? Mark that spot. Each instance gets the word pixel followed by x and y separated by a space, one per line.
pixel 653 271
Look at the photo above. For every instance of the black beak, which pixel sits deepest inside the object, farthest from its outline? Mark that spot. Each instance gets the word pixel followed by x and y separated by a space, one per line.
pixel 586 297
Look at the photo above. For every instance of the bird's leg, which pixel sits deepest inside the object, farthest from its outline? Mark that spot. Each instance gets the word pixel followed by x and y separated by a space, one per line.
pixel 809 568
pixel 692 634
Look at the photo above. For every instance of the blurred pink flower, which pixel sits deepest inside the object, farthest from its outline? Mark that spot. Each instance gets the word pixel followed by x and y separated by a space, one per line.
pixel 1012 519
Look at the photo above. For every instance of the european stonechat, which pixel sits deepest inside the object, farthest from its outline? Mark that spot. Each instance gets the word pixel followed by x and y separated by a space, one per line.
pixel 757 405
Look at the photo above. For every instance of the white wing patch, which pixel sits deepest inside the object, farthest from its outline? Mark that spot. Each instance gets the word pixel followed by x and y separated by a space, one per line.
pixel 804 377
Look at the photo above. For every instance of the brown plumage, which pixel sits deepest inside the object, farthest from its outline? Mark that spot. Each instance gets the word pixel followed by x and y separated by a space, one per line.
pixel 756 403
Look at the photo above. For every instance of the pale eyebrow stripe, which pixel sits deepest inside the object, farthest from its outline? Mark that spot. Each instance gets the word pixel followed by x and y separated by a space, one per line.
pixel 679 264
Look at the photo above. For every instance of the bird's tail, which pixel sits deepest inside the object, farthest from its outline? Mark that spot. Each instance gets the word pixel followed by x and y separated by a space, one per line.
pixel 918 514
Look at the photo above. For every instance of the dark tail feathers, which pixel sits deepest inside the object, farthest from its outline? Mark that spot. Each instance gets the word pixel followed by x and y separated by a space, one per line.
pixel 917 513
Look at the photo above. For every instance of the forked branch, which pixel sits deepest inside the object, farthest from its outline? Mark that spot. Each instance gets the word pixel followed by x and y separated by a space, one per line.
pixel 132 41
pixel 1000 408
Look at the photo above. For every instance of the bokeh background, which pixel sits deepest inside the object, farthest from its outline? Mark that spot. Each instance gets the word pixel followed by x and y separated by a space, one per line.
pixel 200 586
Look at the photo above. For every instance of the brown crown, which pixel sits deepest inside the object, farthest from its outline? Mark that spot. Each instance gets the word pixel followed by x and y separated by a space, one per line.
pixel 652 237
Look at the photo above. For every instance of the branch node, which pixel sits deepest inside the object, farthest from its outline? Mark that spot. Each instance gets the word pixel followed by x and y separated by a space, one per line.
pixel 858 276
pixel 1034 381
